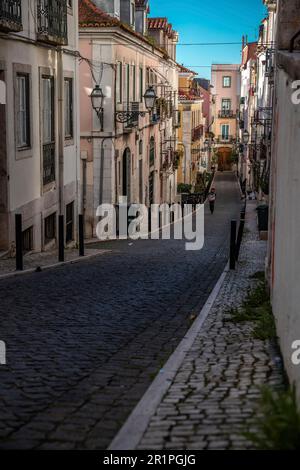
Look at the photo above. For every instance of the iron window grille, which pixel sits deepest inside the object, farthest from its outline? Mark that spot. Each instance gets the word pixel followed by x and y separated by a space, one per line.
pixel 11 15
pixel 52 21
pixel 27 239
pixel 70 222
pixel 50 228
pixel 48 163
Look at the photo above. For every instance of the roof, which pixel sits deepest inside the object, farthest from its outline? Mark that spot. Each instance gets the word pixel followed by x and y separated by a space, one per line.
pixel 188 95
pixel 183 69
pixel 91 16
pixel 162 24
pixel 249 52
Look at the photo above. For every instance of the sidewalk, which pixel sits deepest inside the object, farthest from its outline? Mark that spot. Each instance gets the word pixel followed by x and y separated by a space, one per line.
pixel 215 389
pixel 46 259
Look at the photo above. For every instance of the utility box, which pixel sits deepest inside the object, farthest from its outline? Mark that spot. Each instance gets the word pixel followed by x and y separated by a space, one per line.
pixel 263 217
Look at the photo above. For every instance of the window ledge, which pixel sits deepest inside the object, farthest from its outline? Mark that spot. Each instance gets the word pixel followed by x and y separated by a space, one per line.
pixel 23 152
pixel 69 141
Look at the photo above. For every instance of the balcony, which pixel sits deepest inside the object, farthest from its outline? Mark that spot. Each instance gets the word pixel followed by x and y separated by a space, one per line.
pixel 52 22
pixel 48 163
pixel 10 16
pixel 197 133
pixel 129 116
pixel 227 114
pixel 225 139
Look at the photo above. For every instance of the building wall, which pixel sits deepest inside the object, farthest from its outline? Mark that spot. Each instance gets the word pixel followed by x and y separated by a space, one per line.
pixel 104 151
pixel 26 194
pixel 285 220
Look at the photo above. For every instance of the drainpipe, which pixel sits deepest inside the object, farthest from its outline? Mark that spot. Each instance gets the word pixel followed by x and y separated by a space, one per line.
pixel 61 128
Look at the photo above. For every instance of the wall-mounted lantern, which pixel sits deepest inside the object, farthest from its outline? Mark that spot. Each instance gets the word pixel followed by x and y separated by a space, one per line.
pixel 246 137
pixel 97 98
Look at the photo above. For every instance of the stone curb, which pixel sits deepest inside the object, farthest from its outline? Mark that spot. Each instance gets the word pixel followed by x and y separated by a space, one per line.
pixel 52 266
pixel 134 428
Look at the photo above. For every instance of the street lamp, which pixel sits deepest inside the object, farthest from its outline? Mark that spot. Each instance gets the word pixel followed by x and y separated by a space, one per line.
pixel 97 98
pixel 246 137
pixel 149 98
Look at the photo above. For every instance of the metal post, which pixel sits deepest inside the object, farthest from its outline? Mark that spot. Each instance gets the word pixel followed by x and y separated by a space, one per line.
pixel 19 242
pixel 81 235
pixel 233 244
pixel 61 240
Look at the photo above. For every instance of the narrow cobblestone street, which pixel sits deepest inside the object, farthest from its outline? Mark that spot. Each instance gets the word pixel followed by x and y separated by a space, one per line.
pixel 214 396
pixel 85 341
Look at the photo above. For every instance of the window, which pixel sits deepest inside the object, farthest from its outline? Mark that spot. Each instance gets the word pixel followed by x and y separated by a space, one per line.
pixel 141 84
pixel 70 222
pixel 127 84
pixel 48 109
pixel 225 131
pixel 48 138
pixel 68 104
pixel 152 151
pixel 226 82
pixel 140 147
pixel 23 111
pixel 27 239
pixel 133 83
pixel 141 181
pixel 50 228
pixel 119 82
pixel 132 19
pixel 226 104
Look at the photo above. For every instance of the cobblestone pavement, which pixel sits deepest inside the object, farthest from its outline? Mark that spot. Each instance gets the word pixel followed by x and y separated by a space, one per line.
pixel 85 341
pixel 215 391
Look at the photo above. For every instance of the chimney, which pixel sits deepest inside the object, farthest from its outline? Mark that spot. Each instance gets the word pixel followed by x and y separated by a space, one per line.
pixel 243 43
pixel 112 7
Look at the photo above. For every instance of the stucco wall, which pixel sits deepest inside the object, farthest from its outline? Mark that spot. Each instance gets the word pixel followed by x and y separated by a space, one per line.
pixel 285 223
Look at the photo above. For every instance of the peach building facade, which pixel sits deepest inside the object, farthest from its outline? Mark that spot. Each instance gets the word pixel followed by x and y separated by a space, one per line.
pixel 226 89
pixel 134 159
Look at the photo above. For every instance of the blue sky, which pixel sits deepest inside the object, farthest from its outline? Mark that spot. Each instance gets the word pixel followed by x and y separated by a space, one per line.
pixel 210 21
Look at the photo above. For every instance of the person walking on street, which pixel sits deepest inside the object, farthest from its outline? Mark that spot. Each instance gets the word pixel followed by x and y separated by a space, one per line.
pixel 212 199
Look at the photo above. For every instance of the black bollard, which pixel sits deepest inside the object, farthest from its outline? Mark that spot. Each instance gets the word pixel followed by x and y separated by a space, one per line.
pixel 61 240
pixel 19 242
pixel 81 235
pixel 233 244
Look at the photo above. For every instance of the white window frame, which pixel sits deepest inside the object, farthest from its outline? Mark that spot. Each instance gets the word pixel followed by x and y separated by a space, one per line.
pixel 225 77
pixel 69 109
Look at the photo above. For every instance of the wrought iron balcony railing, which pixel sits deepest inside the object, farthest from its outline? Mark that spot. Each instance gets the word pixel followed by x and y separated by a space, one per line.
pixel 197 133
pixel 10 15
pixel 229 139
pixel 48 163
pixel 52 21
pixel 226 113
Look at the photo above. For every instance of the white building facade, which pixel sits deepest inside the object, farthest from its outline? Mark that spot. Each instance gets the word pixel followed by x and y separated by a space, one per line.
pixel 39 176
